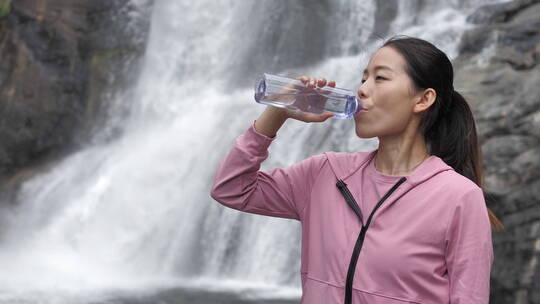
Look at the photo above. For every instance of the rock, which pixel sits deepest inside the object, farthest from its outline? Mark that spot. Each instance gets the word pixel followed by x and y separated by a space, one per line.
pixel 385 13
pixel 499 12
pixel 59 59
pixel 506 148
pixel 519 37
pixel 499 74
pixel 530 124
pixel 516 59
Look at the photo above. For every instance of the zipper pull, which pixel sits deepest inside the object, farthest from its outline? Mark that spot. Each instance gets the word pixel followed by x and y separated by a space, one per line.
pixel 341 184
pixel 350 199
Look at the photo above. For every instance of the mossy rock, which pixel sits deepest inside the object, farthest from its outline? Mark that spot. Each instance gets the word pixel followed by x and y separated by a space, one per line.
pixel 5 8
pixel 102 57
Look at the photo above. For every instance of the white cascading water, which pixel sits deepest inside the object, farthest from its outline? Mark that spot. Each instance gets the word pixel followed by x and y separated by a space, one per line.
pixel 134 213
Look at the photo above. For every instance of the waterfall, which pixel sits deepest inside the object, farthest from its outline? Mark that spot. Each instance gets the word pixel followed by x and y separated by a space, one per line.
pixel 134 213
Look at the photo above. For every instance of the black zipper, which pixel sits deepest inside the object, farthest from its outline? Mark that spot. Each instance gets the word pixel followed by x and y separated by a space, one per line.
pixel 350 199
pixel 360 240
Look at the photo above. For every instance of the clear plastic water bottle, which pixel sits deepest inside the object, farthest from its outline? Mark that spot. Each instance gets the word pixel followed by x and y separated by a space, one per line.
pixel 293 94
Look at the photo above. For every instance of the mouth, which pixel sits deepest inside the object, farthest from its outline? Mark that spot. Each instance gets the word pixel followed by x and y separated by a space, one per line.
pixel 362 111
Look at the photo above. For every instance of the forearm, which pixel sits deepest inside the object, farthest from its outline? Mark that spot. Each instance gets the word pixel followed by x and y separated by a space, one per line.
pixel 239 184
pixel 270 121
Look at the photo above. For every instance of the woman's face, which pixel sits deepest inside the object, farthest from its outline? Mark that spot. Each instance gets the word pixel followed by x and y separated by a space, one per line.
pixel 387 95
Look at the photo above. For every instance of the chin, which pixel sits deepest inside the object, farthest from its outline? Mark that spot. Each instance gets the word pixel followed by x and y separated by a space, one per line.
pixel 364 134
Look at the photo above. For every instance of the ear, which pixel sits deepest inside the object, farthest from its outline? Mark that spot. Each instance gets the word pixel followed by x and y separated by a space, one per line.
pixel 424 100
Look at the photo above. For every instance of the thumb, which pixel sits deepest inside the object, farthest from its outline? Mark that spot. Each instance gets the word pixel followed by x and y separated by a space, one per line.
pixel 325 116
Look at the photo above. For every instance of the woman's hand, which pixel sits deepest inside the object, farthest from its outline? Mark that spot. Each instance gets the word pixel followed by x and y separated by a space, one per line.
pixel 273 118
pixel 311 83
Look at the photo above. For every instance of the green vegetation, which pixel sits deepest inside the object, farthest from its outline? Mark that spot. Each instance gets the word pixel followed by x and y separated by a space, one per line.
pixel 5 8
pixel 102 57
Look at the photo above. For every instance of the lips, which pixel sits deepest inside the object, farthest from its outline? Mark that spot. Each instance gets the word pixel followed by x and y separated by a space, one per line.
pixel 360 109
pixel 360 113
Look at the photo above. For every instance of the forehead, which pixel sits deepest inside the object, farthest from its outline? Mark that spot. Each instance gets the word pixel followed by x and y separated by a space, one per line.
pixel 388 57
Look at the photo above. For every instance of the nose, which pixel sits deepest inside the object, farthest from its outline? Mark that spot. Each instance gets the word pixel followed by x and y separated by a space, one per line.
pixel 361 92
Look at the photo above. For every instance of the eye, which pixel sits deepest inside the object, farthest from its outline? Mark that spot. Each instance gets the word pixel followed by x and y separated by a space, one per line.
pixel 376 78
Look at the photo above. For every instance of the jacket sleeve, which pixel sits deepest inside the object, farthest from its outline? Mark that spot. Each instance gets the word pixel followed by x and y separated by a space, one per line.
pixel 240 185
pixel 469 250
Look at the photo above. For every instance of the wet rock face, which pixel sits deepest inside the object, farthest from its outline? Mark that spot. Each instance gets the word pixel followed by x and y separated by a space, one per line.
pixel 58 59
pixel 499 72
pixel 500 12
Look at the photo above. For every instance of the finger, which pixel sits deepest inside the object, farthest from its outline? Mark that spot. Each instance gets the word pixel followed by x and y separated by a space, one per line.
pixel 324 116
pixel 303 79
pixel 331 83
pixel 309 117
pixel 321 82
pixel 312 82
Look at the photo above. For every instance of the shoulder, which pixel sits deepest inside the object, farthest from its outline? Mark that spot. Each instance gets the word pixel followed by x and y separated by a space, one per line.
pixel 452 190
pixel 460 195
pixel 313 163
pixel 454 182
pixel 344 164
pixel 347 156
pixel 316 159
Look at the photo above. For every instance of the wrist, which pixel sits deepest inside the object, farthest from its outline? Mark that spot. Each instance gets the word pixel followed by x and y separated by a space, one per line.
pixel 279 114
pixel 270 121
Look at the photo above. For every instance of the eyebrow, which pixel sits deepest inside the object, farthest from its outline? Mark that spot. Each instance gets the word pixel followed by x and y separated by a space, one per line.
pixel 379 67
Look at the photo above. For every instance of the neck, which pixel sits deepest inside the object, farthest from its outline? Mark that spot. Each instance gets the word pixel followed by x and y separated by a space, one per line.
pixel 400 155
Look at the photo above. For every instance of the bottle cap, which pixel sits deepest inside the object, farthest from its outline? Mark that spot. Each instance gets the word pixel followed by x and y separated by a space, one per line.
pixel 359 106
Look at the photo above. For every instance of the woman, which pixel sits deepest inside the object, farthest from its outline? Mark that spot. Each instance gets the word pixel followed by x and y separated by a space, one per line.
pixel 405 223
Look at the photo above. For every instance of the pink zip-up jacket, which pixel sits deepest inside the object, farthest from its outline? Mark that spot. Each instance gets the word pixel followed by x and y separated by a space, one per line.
pixel 429 241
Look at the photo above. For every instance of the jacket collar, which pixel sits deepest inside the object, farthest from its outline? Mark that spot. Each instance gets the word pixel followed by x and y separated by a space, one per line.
pixel 345 165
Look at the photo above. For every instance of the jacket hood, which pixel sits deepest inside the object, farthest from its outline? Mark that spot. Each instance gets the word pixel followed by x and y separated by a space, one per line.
pixel 346 164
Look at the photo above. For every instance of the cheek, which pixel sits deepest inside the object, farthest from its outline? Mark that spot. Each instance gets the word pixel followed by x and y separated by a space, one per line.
pixel 386 118
pixel 369 124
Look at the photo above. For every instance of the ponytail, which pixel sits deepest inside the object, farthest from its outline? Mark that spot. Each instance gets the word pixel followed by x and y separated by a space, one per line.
pixel 448 124
pixel 452 137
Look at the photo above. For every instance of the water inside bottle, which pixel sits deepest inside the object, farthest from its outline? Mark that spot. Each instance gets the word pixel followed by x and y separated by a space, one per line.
pixel 295 95
pixel 279 96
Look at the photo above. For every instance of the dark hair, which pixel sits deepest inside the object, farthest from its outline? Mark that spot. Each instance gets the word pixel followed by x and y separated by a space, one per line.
pixel 448 125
